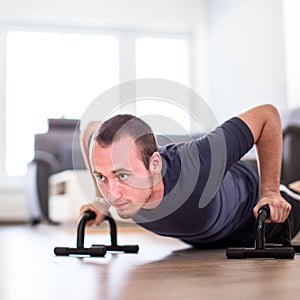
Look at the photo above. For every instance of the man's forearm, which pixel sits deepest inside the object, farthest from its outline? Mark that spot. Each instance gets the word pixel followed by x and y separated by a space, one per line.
pixel 265 124
pixel 269 152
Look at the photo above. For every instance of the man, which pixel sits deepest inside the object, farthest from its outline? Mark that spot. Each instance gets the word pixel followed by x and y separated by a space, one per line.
pixel 180 191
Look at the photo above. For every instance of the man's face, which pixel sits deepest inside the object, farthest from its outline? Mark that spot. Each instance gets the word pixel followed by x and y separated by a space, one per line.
pixel 122 177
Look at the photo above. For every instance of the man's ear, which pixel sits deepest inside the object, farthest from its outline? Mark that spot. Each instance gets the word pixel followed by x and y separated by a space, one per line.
pixel 155 163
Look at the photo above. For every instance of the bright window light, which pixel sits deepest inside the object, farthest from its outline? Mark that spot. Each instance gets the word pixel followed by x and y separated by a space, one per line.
pixel 52 75
pixel 165 58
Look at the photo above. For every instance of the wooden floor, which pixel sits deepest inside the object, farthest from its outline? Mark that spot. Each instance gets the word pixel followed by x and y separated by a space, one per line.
pixel 163 269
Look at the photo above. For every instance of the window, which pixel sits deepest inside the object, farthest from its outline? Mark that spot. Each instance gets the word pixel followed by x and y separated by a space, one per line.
pixel 52 75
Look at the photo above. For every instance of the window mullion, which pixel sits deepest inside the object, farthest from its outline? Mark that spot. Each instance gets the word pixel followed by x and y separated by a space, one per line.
pixel 127 68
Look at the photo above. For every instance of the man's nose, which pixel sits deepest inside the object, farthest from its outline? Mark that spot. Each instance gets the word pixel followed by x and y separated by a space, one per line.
pixel 114 192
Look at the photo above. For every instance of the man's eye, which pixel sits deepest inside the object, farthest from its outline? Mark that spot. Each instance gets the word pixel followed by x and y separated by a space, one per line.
pixel 100 178
pixel 123 176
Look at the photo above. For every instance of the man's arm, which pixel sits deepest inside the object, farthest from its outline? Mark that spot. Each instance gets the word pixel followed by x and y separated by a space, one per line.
pixel 85 141
pixel 265 125
pixel 98 207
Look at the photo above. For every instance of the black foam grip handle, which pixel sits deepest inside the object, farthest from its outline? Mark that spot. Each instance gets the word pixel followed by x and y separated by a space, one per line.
pixel 66 251
pixel 265 208
pixel 130 248
pixel 90 215
pixel 61 251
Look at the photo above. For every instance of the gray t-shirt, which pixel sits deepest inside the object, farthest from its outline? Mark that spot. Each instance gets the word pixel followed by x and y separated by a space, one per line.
pixel 208 191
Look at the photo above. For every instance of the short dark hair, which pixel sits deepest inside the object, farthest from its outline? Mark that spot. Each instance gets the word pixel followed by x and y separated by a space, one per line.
pixel 121 125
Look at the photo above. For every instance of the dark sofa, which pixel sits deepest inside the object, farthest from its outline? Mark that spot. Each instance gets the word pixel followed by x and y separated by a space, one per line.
pixel 55 151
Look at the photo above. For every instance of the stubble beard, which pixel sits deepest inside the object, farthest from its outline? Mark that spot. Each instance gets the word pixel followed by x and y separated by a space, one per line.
pixel 134 208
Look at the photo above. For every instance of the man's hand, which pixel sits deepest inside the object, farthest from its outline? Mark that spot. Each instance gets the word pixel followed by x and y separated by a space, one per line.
pixel 100 209
pixel 279 207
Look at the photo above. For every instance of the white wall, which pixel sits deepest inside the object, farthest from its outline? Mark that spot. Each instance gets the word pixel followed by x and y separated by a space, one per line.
pixel 246 54
pixel 201 54
pixel 291 10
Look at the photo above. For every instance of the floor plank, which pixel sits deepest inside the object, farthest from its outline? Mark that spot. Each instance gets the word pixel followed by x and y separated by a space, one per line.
pixel 164 268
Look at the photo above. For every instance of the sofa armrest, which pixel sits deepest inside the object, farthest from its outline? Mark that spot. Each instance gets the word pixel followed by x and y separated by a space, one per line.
pixel 48 158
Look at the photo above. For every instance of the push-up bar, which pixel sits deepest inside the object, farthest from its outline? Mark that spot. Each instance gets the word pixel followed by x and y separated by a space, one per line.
pixel 262 250
pixel 95 250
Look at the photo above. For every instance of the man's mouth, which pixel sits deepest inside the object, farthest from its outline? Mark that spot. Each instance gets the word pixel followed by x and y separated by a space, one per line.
pixel 120 205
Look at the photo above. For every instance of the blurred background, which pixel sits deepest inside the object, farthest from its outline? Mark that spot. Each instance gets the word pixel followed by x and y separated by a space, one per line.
pixel 56 57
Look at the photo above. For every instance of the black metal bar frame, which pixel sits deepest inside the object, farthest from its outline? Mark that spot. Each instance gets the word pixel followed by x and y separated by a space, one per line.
pixel 262 250
pixel 95 250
